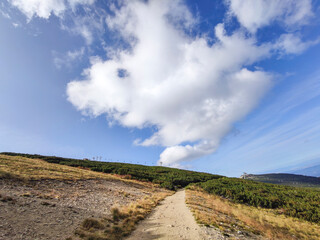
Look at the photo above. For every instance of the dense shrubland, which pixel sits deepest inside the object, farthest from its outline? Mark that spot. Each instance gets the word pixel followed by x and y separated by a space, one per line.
pixel 170 178
pixel 302 203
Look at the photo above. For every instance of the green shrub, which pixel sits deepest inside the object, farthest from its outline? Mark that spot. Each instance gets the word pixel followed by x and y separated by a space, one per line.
pixel 302 203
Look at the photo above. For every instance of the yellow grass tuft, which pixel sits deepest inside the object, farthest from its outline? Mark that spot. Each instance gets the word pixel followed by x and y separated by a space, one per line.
pixel 213 210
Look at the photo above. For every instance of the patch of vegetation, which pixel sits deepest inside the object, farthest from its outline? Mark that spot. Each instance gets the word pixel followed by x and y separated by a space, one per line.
pixel 301 203
pixel 232 218
pixel 90 223
pixel 169 178
pixel 6 175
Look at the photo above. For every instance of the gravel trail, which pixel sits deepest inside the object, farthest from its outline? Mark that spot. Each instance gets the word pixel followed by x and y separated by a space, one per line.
pixel 172 219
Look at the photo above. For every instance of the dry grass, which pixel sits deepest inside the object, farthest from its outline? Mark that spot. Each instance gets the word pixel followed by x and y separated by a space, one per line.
pixel 22 168
pixel 227 216
pixel 122 221
pixel 36 169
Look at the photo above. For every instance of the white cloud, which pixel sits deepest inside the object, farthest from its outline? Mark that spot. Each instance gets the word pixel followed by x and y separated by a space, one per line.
pixel 86 24
pixel 44 8
pixel 254 14
pixel 292 44
pixel 69 58
pixel 89 25
pixel 191 91
pixel 39 8
pixel 5 14
pixel 173 156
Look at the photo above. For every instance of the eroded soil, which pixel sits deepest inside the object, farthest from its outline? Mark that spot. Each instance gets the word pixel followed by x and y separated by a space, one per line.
pixel 53 209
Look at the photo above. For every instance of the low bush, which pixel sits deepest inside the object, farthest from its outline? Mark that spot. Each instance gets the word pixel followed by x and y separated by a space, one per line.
pixel 302 203
pixel 90 223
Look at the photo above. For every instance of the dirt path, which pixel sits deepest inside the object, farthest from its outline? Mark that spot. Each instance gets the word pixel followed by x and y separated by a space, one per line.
pixel 171 220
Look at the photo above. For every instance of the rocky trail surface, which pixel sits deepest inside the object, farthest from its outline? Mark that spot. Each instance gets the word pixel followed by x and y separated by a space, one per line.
pixel 172 219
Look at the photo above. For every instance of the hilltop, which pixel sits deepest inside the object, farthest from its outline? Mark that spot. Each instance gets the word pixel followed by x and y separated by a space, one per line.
pixel 285 179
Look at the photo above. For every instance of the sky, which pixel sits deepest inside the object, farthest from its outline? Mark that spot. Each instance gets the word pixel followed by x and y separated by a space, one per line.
pixel 224 87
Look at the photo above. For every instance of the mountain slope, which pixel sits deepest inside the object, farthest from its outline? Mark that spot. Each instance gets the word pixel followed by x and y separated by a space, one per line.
pixel 285 179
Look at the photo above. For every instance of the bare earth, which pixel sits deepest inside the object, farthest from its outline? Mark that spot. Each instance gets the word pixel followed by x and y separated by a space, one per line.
pixel 172 219
pixel 53 209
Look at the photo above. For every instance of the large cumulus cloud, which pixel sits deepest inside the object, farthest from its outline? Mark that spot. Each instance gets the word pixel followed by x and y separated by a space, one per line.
pixel 191 91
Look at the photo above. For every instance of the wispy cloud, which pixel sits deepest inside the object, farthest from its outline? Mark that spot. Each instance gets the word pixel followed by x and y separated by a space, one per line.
pixel 272 138
pixel 292 44
pixel 44 9
pixel 260 13
pixel 85 24
pixel 69 58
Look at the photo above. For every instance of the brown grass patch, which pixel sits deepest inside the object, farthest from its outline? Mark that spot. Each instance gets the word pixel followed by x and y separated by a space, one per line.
pixel 122 221
pixel 22 168
pixel 229 217
pixel 36 169
pixel 26 169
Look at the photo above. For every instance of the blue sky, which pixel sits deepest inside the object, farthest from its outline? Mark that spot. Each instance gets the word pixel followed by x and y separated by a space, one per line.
pixel 218 86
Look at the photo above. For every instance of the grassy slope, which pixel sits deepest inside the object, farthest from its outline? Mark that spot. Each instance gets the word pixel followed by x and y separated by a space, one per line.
pixel 296 202
pixel 232 217
pixel 169 178
pixel 36 169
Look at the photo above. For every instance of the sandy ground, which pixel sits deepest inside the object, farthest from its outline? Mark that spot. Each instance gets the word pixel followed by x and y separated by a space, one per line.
pixel 53 209
pixel 172 219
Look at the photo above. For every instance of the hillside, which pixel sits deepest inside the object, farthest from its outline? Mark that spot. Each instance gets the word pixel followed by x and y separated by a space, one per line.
pixel 41 195
pixel 285 179
pixel 170 178
pixel 270 210
pixel 41 200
